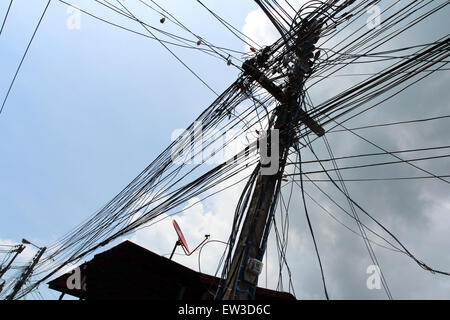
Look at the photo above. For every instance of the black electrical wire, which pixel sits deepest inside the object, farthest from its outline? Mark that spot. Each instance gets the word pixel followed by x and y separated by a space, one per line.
pixel 6 16
pixel 164 187
pixel 171 52
pixel 312 232
pixel 23 57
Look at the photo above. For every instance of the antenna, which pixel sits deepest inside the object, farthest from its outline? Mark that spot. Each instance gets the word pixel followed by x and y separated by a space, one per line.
pixel 182 241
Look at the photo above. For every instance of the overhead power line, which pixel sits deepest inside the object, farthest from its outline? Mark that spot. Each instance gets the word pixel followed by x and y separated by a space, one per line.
pixel 23 57
pixel 6 16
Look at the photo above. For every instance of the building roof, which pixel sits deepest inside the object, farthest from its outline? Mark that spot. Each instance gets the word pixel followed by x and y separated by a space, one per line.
pixel 128 271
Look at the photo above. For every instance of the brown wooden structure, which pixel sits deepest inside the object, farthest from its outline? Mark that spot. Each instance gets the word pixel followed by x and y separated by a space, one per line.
pixel 131 272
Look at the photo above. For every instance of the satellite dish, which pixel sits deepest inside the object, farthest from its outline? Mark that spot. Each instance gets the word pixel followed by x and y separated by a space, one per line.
pixel 182 241
pixel 180 235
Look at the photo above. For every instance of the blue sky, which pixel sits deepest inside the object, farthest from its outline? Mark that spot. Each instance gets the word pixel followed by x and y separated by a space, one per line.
pixel 92 107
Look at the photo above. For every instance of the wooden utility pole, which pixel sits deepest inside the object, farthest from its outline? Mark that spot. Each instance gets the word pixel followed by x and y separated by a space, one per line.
pixel 246 263
pixel 26 274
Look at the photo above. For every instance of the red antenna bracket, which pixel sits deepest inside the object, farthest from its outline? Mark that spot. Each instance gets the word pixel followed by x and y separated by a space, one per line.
pixel 182 241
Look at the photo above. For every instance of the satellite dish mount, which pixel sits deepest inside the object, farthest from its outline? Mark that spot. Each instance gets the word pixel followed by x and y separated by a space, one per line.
pixel 182 241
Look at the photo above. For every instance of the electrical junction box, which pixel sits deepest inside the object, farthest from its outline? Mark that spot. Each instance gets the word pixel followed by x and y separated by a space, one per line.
pixel 254 266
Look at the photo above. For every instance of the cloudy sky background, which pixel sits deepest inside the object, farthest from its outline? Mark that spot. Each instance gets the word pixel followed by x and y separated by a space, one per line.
pixel 92 107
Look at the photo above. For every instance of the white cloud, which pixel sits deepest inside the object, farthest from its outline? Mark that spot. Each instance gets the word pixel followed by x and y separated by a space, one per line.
pixel 260 29
pixel 196 221
pixel 25 256
pixel 416 215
